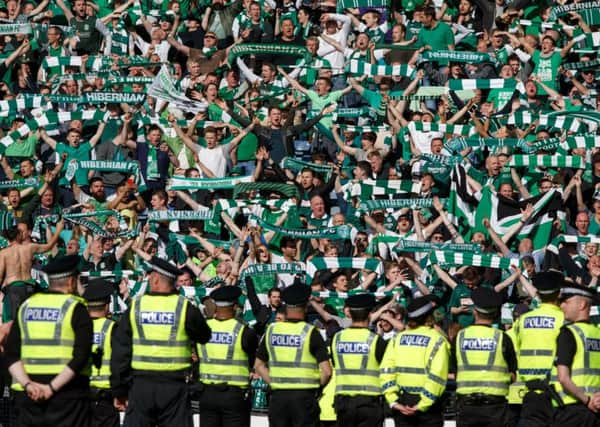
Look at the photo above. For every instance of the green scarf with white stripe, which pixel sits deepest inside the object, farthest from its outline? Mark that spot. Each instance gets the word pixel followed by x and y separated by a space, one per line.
pixel 470 84
pixel 470 258
pixel 548 161
pixel 325 263
pixel 356 66
pixel 180 183
pixel 457 56
pixel 340 232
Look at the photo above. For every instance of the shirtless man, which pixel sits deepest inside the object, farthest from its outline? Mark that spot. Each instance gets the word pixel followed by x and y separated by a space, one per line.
pixel 15 266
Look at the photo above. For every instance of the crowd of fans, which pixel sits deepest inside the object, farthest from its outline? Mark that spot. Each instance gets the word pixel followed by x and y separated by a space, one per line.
pixel 412 148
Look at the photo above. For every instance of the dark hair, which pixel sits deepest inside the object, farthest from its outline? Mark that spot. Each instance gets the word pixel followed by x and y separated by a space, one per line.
pixel 272 291
pixel 96 179
pixel 359 314
pixel 287 241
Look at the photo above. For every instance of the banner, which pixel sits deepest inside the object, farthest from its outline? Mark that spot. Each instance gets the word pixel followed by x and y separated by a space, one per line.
pixel 132 168
pixel 113 98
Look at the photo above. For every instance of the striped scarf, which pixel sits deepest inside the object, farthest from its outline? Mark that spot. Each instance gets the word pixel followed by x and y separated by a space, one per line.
pixel 356 66
pixel 464 130
pixel 588 39
pixel 581 141
pixel 470 258
pixel 132 168
pixel 328 263
pixel 547 161
pixel 456 145
pixel 564 238
pixel 464 84
pixel 288 190
pixel 441 159
pixel 522 118
pixel 368 188
pixel 26 102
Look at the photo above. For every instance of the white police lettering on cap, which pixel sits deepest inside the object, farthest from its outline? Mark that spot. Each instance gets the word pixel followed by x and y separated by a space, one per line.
pixel 284 340
pixel 414 340
pixel 592 344
pixel 539 322
pixel 157 318
pixel 221 338
pixel 479 344
pixel 42 314
pixel 352 347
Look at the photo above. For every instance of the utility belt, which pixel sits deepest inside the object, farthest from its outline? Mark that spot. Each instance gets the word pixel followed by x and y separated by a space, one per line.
pixel 478 399
pixel 221 387
pixel 97 394
pixel 544 386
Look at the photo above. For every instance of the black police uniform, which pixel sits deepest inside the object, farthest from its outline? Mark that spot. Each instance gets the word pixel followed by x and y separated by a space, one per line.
pixel 102 409
pixel 221 404
pixel 478 409
pixel 296 408
pixel 154 397
pixel 69 405
pixel 361 410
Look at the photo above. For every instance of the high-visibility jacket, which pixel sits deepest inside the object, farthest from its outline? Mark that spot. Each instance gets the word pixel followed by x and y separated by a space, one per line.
pixel 416 361
pixel 222 359
pixel 102 334
pixel 481 367
pixel 585 369
pixel 536 333
pixel 160 342
pixel 47 337
pixel 356 367
pixel 291 364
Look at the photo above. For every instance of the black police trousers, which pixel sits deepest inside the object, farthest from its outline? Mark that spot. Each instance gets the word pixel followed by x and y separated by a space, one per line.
pixel 358 411
pixel 432 418
pixel 294 408
pixel 56 412
pixel 537 410
pixel 158 402
pixel 102 410
pixel 223 406
pixel 482 415
pixel 575 415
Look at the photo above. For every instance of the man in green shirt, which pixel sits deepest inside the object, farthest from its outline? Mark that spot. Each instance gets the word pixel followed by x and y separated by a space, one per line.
pixel 75 150
pixel 435 34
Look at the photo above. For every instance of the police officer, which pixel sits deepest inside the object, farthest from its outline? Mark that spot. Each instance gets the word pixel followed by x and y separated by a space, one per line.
pixel 225 363
pixel 536 333
pixel 578 359
pixel 152 350
pixel 485 365
pixel 414 369
pixel 298 363
pixel 103 412
pixel 357 353
pixel 48 352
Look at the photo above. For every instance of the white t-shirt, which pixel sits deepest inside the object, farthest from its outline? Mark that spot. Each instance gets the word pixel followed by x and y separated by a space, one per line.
pixel 215 160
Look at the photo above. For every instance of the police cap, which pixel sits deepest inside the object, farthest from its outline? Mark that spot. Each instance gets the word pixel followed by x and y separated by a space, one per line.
pixel 62 267
pixel 296 295
pixel 226 296
pixel 98 292
pixel 164 267
pixel 573 289
pixel 361 301
pixel 486 300
pixel 419 307
pixel 548 282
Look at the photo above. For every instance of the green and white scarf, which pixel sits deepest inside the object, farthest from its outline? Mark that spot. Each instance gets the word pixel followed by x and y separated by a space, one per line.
pixel 522 118
pixel 457 56
pixel 564 238
pixel 548 144
pixel 132 168
pixel 464 130
pixel 581 141
pixel 27 102
pixel 353 4
pixel 457 145
pixel 267 49
pixel 339 232
pixel 441 159
pixel 265 188
pixel 97 229
pixel 180 183
pixel 280 268
pixel 356 66
pixel 161 216
pixel 582 65
pixel 325 263
pixel 297 165
pixel 369 188
pixel 470 258
pixel 470 84
pixel 19 183
pixel 374 205
pixel 416 246
pixel 557 11
pixel 588 39
pixel 548 161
